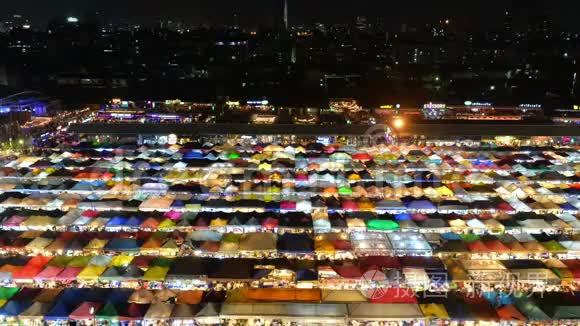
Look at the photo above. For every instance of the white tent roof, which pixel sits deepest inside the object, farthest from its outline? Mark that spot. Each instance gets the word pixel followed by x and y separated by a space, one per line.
pixel 343 296
pixel 159 311
pixel 384 311
pixel 323 312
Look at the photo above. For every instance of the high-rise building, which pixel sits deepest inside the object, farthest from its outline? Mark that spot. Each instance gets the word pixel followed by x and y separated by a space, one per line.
pixel 281 15
pixel 320 27
pixel 285 14
pixel 508 22
pixel 541 26
pixel 16 22
pixel 362 23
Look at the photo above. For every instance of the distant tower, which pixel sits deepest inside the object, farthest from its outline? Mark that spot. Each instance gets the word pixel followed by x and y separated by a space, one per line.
pixel 508 22
pixel 285 14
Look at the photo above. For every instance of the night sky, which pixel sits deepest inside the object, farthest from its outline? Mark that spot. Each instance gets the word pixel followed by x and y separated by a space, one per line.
pixel 474 13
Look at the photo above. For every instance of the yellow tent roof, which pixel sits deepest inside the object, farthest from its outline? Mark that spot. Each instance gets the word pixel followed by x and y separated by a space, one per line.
pixel 444 191
pixel 96 244
pixel 121 260
pixel 156 273
pixel 434 310
pixel 91 272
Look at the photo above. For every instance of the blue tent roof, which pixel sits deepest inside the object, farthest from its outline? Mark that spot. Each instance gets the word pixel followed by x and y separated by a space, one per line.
pixel 498 298
pixel 193 155
pixel 306 275
pixel 59 311
pixel 133 221
pixel 94 183
pixel 178 203
pixel 450 236
pixel 117 221
pixel 421 204
pixel 122 244
pixel 118 296
pixel 14 307
pixel 96 295
pixel 402 217
pixel 73 296
pixel 568 207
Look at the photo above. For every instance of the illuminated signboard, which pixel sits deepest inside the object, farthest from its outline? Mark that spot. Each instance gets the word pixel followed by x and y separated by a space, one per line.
pixel 259 102
pixel 431 105
pixel 470 103
pixel 576 107
pixel 122 115
pixel 531 106
pixel 390 106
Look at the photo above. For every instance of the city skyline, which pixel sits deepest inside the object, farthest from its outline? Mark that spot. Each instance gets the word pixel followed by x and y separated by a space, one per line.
pixel 260 12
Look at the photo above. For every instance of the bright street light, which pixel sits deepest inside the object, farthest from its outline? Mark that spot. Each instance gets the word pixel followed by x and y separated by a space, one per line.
pixel 398 123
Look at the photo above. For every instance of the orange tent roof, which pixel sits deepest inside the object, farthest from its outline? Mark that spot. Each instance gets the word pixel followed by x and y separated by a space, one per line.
pixel 477 246
pixel 516 246
pixel 27 272
pixel 153 242
pixel 150 223
pixel 509 312
pixel 284 294
pixel 533 246
pixel 10 268
pixel 496 246
pixel 189 297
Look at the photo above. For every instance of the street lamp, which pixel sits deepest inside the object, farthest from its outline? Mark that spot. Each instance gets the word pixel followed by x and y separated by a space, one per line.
pixel 398 123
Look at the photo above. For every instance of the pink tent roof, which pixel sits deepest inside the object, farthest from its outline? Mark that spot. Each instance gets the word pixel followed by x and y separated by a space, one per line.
pixel 49 273
pixel 86 310
pixel 14 220
pixel 418 217
pixel 349 205
pixel 348 271
pixel 172 215
pixel 288 205
pixel 270 223
pixel 90 213
pixel 505 207
pixel 69 274
pixel 301 177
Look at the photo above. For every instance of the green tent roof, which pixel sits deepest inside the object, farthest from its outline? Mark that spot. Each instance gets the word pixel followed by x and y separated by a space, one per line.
pixel 529 308
pixel 470 237
pixel 553 245
pixel 162 262
pixel 60 261
pixel 382 225
pixel 345 191
pixel 108 312
pixel 7 293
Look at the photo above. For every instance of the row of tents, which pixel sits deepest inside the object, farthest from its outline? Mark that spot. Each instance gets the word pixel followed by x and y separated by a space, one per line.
pixel 34 306
pixel 196 272
pixel 248 243
pixel 298 220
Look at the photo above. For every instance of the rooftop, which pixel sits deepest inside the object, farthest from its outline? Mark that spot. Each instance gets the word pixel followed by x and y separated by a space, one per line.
pixel 427 129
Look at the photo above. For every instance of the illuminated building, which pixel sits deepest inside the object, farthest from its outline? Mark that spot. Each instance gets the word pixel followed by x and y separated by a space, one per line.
pixel 482 111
